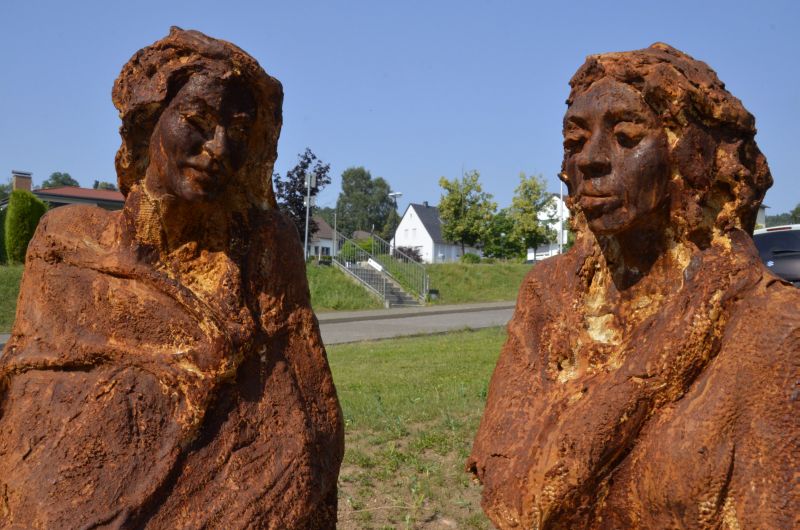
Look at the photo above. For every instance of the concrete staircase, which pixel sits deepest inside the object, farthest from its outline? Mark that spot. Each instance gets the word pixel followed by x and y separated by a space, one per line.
pixel 380 284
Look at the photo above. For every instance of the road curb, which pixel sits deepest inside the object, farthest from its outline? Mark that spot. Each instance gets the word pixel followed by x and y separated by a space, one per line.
pixel 323 318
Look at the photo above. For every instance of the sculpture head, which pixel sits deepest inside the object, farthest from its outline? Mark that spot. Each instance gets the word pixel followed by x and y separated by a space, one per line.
pixel 652 137
pixel 200 118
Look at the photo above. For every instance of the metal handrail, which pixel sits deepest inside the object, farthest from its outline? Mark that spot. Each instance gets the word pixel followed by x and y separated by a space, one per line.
pixel 409 273
pixel 347 255
pixel 393 264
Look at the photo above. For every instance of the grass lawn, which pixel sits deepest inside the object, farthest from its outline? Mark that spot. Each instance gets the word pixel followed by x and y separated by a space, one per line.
pixel 411 409
pixel 10 276
pixel 461 283
pixel 332 290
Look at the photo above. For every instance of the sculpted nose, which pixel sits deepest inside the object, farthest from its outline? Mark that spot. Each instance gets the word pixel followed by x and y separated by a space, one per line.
pixel 595 160
pixel 218 145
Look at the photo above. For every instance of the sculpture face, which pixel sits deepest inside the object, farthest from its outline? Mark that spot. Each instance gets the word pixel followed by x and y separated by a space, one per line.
pixel 616 157
pixel 201 138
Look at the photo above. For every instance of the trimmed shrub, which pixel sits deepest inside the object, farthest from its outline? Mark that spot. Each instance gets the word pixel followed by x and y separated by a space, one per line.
pixel 3 257
pixel 412 252
pixel 22 216
pixel 470 258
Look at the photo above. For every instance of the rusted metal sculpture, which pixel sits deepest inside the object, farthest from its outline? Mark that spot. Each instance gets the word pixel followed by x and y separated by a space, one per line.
pixel 651 378
pixel 165 369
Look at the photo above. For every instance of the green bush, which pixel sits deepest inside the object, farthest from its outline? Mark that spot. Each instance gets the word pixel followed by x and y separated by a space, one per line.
pixel 22 216
pixel 488 260
pixel 470 258
pixel 3 257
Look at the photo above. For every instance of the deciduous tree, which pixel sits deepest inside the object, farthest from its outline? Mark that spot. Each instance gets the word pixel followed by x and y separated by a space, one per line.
pixel 364 202
pixel 58 179
pixel 290 191
pixel 465 210
pixel 102 185
pixel 501 241
pixel 530 199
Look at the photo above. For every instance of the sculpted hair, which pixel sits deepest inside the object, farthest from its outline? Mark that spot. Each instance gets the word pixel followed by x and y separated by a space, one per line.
pixel 719 176
pixel 154 75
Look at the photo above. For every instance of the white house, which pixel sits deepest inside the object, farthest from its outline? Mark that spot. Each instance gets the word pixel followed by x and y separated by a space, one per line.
pixel 421 228
pixel 556 215
pixel 321 242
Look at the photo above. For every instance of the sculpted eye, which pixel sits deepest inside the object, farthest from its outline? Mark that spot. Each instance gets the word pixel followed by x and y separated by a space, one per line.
pixel 628 134
pixel 198 121
pixel 573 142
pixel 237 131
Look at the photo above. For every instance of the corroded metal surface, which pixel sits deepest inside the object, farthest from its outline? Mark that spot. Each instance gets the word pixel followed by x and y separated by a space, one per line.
pixel 165 369
pixel 651 375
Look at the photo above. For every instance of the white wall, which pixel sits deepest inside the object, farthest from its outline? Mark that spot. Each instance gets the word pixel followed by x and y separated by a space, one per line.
pixel 411 233
pixel 320 247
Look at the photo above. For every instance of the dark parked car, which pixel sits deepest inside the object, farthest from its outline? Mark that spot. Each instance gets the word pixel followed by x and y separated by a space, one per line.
pixel 779 247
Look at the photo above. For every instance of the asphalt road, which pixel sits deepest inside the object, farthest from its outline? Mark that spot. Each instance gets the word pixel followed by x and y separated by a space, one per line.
pixel 340 326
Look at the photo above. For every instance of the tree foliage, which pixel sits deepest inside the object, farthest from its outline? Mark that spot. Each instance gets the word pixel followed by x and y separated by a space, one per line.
pixel 58 179
pixel 22 216
pixel 501 241
pixel 785 218
pixel 5 190
pixel 102 185
pixel 290 191
pixel 465 210
pixel 392 221
pixel 530 199
pixel 364 202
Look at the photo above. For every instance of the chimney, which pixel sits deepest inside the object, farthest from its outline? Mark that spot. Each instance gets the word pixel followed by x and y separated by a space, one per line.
pixel 21 180
pixel 425 204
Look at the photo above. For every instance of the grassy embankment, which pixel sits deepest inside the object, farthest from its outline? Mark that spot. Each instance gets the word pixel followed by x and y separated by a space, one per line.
pixel 10 277
pixel 461 283
pixel 330 291
pixel 411 407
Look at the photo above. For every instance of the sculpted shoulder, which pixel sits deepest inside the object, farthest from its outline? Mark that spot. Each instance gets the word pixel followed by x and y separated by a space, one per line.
pixel 552 277
pixel 76 228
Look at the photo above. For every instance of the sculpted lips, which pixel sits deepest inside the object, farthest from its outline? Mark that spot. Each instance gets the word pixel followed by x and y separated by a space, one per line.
pixel 595 202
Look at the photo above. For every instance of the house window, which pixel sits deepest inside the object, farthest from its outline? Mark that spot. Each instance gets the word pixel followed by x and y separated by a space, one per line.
pixel 414 233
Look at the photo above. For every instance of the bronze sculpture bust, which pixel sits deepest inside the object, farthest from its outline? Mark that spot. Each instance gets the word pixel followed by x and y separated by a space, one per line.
pixel 165 369
pixel 650 377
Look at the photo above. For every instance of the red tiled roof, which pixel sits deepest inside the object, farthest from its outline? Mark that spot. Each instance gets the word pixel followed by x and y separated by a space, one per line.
pixel 82 193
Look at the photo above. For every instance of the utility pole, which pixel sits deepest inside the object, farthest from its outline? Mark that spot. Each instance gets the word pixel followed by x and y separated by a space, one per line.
pixel 335 233
pixel 311 180
pixel 394 195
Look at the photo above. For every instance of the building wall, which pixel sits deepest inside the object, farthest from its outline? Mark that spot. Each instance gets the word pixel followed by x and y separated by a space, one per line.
pixel 320 247
pixel 412 233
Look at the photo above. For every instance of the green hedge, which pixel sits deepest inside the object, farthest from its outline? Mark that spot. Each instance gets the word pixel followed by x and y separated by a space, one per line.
pixel 470 258
pixel 3 257
pixel 22 216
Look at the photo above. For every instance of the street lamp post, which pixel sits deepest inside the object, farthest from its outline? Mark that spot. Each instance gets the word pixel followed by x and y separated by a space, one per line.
pixel 394 195
pixel 311 181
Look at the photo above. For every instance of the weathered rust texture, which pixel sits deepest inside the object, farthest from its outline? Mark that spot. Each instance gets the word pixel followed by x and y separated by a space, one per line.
pixel 165 369
pixel 651 377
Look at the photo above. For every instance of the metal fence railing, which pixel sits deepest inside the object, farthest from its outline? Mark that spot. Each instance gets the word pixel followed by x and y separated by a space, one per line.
pixel 355 261
pixel 409 273
pixel 382 259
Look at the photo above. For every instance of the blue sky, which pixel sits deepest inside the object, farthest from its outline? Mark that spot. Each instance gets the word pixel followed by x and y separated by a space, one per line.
pixel 410 90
